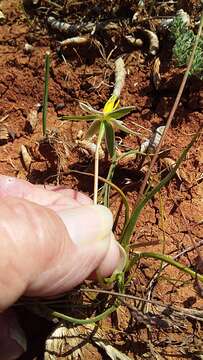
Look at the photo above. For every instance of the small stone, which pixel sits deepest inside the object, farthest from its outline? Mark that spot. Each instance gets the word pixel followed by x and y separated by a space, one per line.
pixel 28 48
pixel 2 18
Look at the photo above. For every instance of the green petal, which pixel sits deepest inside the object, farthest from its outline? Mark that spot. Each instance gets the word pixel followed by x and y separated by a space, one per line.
pixel 111 104
pixel 119 125
pixel 88 108
pixel 110 138
pixel 119 113
pixel 93 129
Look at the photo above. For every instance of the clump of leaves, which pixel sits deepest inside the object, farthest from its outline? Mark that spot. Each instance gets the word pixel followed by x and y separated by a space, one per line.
pixel 184 41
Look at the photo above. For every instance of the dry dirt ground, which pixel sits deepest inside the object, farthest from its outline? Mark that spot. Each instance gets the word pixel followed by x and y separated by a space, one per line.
pixel 174 217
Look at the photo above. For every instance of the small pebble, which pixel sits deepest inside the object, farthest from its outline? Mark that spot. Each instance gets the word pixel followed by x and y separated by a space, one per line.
pixel 2 18
pixel 28 48
pixel 60 106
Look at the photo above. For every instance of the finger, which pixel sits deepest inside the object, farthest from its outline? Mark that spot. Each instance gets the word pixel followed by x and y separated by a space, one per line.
pixel 60 196
pixel 40 257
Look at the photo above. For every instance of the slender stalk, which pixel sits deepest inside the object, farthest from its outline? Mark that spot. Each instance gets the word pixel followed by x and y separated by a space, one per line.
pixel 106 189
pixel 173 110
pixel 171 261
pixel 96 161
pixel 115 187
pixel 128 296
pixel 85 321
pixel 52 3
pixel 46 91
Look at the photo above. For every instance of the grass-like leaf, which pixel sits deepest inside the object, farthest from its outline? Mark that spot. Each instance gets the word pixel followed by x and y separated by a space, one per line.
pixel 169 260
pixel 79 117
pixel 110 138
pixel 150 194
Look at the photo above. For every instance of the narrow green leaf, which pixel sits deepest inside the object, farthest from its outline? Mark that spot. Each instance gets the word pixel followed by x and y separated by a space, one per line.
pixel 79 117
pixel 150 194
pixel 119 113
pixel 93 129
pixel 110 138
pixel 119 125
pixel 171 261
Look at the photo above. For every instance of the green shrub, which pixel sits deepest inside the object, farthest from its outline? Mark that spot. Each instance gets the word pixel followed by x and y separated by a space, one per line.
pixel 184 41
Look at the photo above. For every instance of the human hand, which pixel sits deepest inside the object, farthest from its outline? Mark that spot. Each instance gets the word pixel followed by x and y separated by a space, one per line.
pixel 51 240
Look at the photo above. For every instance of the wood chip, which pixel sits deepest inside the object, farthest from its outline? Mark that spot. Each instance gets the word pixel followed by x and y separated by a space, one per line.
pixel 4 133
pixel 27 160
pixel 89 148
pixel 76 40
pixel 156 73
pixel 32 117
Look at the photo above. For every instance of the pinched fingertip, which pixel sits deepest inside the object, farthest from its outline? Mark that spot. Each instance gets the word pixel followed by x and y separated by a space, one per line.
pixel 114 261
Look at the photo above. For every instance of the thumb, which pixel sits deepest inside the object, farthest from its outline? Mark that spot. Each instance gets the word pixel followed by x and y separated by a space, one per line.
pixel 46 254
pixel 91 246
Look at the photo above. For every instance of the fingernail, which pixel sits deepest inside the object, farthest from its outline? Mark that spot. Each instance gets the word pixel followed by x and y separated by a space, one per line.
pixel 122 260
pixel 87 224
pixel 115 260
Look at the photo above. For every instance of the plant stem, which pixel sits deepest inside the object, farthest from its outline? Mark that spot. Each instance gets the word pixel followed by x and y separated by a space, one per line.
pixel 46 91
pixel 171 261
pixel 173 110
pixel 109 183
pixel 85 321
pixel 96 161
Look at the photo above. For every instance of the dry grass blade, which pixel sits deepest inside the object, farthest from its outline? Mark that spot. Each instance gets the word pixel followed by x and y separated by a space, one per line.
pixel 4 133
pixel 4 118
pixel 76 343
pixel 170 164
pixel 156 73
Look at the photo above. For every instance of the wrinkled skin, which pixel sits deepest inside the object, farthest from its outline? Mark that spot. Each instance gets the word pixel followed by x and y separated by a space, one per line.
pixel 51 240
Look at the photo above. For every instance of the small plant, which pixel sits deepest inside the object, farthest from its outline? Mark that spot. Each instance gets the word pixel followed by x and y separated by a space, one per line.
pixel 184 41
pixel 104 123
